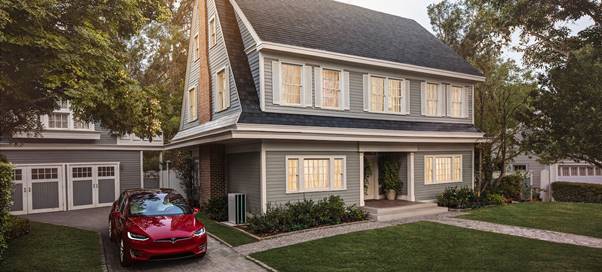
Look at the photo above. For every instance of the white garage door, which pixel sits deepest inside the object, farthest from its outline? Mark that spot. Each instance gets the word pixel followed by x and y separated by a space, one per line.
pixel 92 185
pixel 38 188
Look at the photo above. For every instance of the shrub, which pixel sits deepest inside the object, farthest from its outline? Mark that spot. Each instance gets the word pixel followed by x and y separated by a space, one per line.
pixel 6 176
pixel 494 199
pixel 509 186
pixel 217 208
pixel 577 192
pixel 455 198
pixel 304 214
pixel 390 175
pixel 17 227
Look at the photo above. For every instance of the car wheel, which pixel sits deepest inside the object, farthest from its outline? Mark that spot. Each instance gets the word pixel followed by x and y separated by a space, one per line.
pixel 111 232
pixel 124 254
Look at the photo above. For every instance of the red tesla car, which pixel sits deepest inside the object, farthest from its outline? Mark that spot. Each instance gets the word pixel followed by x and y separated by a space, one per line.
pixel 155 225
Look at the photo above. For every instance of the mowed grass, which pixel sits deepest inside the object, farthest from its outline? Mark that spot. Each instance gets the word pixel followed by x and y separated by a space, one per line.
pixel 54 248
pixel 427 246
pixel 576 218
pixel 229 234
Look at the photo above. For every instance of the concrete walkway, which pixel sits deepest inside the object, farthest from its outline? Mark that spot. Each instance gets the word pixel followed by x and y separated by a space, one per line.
pixel 219 257
pixel 537 234
pixel 310 235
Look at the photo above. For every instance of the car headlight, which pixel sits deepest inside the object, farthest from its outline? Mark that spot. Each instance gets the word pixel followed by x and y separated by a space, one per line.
pixel 199 232
pixel 137 237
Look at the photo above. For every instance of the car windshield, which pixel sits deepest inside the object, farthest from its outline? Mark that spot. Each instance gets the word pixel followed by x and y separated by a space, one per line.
pixel 158 204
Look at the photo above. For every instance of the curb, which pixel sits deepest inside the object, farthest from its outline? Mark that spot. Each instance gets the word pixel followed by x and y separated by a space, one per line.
pixel 219 240
pixel 262 264
pixel 103 257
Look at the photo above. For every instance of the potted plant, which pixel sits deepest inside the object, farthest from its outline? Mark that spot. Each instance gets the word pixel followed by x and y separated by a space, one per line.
pixel 390 178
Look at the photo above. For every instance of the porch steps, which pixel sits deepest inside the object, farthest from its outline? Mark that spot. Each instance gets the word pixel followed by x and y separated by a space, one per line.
pixel 396 213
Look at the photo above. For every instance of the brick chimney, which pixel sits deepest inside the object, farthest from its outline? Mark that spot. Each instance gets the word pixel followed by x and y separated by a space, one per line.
pixel 204 88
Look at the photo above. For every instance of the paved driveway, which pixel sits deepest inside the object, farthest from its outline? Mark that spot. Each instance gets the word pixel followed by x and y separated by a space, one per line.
pixel 219 257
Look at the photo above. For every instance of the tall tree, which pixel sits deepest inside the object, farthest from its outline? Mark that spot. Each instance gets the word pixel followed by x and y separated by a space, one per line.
pixel 564 119
pixel 472 31
pixel 74 50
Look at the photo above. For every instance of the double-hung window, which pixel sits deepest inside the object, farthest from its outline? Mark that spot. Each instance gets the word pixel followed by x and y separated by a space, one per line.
pixel 192 104
pixel 292 83
pixel 58 120
pixel 222 90
pixel 197 49
pixel 432 99
pixel 311 174
pixel 377 94
pixel 442 169
pixel 395 96
pixel 212 32
pixel 456 103
pixel 64 119
pixel 331 88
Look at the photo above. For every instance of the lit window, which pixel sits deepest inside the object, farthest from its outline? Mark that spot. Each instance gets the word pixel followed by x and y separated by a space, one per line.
pixel 442 169
pixel 58 120
pixel 212 32
pixel 222 90
pixel 192 105
pixel 395 96
pixel 432 99
pixel 292 79
pixel 331 85
pixel 310 174
pixel 377 94
pixel 455 103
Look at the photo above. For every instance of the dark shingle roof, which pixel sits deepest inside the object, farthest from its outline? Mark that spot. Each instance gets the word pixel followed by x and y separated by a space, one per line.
pixel 337 27
pixel 252 114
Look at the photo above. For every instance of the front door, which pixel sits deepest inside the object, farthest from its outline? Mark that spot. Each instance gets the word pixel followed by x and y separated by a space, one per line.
pixel 372 188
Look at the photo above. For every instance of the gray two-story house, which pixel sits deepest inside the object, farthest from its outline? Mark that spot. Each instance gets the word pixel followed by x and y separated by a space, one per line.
pixel 289 100
pixel 74 165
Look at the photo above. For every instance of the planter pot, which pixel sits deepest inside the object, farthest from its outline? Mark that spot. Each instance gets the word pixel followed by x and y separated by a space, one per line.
pixel 391 195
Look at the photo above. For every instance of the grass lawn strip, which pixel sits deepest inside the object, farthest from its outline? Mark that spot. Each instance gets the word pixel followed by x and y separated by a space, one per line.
pixel 230 235
pixel 54 248
pixel 427 246
pixel 576 218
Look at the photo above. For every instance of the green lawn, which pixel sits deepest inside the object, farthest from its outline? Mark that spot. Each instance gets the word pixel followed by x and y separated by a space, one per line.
pixel 577 218
pixel 230 235
pixel 54 248
pixel 426 246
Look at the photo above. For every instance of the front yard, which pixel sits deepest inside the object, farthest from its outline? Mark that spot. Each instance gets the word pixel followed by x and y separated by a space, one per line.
pixel 228 234
pixel 576 218
pixel 54 248
pixel 427 246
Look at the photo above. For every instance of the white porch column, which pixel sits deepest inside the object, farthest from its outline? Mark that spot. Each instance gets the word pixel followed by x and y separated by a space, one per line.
pixel 411 195
pixel 362 203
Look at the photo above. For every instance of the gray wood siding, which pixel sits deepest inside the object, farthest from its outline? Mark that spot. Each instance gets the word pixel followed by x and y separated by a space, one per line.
pixel 356 98
pixel 430 192
pixel 244 174
pixel 533 166
pixel 129 167
pixel 276 178
pixel 192 73
pixel 252 54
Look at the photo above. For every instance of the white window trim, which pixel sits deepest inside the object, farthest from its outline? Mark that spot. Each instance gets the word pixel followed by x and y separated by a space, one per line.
pixel 301 176
pixel 434 170
pixel 320 92
pixel 211 29
pixel 281 87
pixel 189 116
pixel 464 106
pixel 226 88
pixel 440 85
pixel 405 105
pixel 45 119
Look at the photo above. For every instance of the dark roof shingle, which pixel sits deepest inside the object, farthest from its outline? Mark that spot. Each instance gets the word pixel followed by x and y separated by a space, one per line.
pixel 342 28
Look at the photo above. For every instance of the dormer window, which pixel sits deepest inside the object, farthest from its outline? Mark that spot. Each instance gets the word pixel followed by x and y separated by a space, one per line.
pixel 292 83
pixel 64 119
pixel 58 120
pixel 212 32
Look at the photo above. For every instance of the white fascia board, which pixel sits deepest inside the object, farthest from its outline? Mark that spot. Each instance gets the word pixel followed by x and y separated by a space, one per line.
pixel 364 60
pixel 51 146
pixel 62 134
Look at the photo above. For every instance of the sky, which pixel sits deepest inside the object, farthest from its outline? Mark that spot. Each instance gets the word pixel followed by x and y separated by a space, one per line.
pixel 416 10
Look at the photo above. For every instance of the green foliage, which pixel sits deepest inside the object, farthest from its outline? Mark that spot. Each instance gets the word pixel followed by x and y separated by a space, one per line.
pixel 457 198
pixel 495 199
pixel 303 215
pixel 390 173
pixel 6 176
pixel 186 170
pixel 509 186
pixel 75 50
pixel 577 192
pixel 217 209
pixel 17 227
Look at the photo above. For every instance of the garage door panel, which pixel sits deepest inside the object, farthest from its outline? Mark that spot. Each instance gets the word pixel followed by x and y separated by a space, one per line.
pixel 17 197
pixel 45 195
pixel 106 191
pixel 82 193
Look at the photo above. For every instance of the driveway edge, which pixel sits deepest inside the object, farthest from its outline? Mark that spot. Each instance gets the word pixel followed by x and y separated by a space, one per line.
pixel 262 264
pixel 103 257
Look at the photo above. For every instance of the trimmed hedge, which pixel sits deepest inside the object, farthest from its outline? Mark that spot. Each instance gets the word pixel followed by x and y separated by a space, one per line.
pixel 577 192
pixel 6 176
